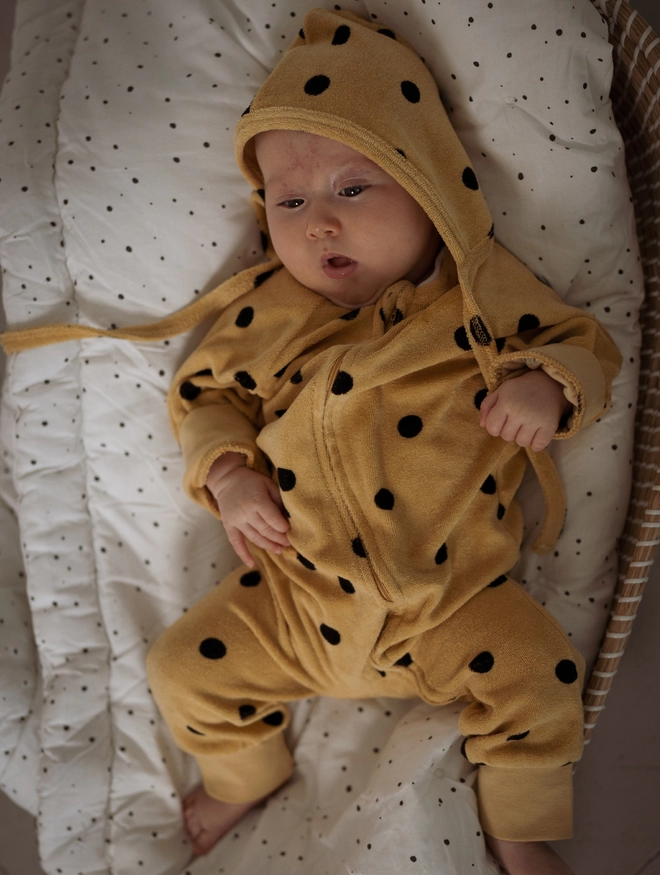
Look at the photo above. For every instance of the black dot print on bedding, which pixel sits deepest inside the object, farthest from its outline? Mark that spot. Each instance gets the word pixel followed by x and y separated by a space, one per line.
pixel 212 648
pixel 317 85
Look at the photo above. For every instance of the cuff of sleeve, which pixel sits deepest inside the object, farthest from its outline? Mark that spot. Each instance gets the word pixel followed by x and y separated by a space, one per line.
pixel 526 805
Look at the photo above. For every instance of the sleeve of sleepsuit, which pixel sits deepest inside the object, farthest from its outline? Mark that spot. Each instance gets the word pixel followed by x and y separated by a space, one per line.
pixel 535 328
pixel 214 409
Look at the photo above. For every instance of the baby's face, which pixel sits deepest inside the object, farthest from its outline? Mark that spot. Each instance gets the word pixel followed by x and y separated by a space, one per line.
pixel 340 225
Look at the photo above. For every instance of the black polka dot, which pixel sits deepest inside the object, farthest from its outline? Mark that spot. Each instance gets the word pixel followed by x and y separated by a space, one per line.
pixel 316 85
pixel 346 585
pixel 501 510
pixel 297 377
pixel 274 719
pixel 441 555
pixel 461 339
pixel 262 277
pixel 246 711
pixel 250 578
pixel 343 383
pixel 499 580
pixel 489 486
pixel 286 479
pixel 387 32
pixel 358 548
pixel 245 380
pixel 188 391
pixel 479 331
pixel 470 179
pixel 405 660
pixel 331 635
pixel 528 322
pixel 305 562
pixel 479 397
pixel 410 91
pixel 566 671
pixel 281 371
pixel 384 499
pixel 518 737
pixel 342 35
pixel 245 317
pixel 212 648
pixel 195 731
pixel 483 662
pixel 410 426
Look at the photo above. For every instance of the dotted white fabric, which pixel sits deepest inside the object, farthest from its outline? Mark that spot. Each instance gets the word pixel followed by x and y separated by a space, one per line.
pixel 119 203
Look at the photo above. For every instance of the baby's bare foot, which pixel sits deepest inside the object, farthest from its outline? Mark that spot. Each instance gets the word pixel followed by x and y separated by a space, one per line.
pixel 208 819
pixel 527 858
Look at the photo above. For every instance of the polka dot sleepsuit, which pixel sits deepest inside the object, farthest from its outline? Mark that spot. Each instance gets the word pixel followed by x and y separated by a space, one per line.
pixel 404 522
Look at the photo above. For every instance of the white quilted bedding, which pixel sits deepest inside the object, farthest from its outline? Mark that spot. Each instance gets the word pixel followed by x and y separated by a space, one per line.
pixel 119 202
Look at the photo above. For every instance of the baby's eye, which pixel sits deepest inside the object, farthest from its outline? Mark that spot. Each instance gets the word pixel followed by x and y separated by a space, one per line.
pixel 291 203
pixel 351 190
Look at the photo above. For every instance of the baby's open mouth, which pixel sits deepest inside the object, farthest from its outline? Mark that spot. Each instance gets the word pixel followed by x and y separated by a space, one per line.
pixel 339 261
pixel 338 267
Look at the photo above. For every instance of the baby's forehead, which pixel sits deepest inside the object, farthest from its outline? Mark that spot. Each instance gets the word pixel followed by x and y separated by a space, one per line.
pixel 282 153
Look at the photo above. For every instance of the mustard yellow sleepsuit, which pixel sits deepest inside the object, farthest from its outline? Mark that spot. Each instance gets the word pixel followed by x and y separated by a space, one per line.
pixel 404 522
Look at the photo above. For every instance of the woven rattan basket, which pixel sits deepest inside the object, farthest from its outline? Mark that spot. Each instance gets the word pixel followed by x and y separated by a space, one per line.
pixel 636 102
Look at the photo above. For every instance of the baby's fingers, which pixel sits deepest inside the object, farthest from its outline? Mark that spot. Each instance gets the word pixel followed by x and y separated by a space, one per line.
pixel 237 540
pixel 263 540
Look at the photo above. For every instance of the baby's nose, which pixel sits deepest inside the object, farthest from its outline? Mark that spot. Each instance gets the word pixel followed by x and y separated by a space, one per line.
pixel 322 223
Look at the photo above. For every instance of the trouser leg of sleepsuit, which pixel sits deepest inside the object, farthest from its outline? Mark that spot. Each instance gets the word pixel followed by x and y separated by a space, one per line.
pixel 524 721
pixel 216 679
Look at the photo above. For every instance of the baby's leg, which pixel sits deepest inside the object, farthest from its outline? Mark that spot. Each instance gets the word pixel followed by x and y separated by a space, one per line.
pixel 220 677
pixel 527 858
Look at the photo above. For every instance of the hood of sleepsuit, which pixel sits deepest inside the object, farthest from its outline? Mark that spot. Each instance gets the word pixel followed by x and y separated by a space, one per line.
pixel 360 83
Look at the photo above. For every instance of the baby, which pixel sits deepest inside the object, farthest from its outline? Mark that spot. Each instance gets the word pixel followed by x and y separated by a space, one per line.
pixel 360 417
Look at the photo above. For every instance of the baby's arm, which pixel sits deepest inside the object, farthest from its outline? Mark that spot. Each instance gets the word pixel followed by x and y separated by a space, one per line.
pixel 250 506
pixel 525 409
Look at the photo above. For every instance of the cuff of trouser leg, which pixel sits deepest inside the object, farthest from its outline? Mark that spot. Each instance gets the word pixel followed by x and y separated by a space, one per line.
pixel 526 805
pixel 248 774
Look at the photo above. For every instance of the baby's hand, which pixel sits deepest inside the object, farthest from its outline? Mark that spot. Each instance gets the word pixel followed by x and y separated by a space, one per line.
pixel 525 409
pixel 250 506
